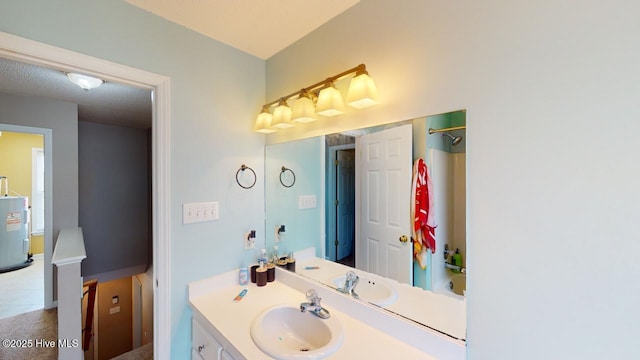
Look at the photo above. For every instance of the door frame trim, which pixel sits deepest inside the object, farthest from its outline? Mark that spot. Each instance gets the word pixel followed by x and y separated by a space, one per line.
pixel 48 203
pixel 25 50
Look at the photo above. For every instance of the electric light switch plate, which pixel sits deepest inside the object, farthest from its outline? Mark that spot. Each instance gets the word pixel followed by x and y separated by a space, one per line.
pixel 200 212
pixel 307 202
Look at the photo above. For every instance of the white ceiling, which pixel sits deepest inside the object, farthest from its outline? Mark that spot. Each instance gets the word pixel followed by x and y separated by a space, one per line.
pixel 111 103
pixel 258 27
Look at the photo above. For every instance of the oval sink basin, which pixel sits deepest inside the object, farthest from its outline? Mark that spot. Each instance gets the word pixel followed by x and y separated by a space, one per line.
pixel 377 292
pixel 284 332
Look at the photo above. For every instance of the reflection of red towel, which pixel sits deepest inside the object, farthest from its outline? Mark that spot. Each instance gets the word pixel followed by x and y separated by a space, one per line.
pixel 422 212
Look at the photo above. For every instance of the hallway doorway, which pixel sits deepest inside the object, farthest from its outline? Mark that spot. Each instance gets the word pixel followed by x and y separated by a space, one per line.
pixel 26 167
pixel 21 49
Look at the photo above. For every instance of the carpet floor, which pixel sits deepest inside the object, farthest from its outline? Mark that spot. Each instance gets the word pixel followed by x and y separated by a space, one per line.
pixel 144 352
pixel 30 336
pixel 34 335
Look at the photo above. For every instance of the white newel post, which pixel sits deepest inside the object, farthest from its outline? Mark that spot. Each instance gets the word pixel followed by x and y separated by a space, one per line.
pixel 67 256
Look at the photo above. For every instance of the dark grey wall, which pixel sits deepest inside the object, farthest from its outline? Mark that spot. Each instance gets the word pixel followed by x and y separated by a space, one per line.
pixel 114 193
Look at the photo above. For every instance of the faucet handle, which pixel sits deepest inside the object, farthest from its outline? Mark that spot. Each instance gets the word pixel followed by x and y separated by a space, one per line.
pixel 313 297
pixel 351 276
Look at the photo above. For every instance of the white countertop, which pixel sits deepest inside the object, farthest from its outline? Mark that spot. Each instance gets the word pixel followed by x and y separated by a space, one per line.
pixel 212 299
pixel 446 313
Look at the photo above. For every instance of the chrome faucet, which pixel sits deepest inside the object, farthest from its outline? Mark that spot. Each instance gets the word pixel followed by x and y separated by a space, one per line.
pixel 455 268
pixel 313 306
pixel 350 282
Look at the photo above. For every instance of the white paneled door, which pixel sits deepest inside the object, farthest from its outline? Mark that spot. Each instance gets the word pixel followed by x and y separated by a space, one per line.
pixel 384 170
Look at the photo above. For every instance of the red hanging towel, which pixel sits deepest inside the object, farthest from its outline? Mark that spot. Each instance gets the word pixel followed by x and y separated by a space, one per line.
pixel 422 212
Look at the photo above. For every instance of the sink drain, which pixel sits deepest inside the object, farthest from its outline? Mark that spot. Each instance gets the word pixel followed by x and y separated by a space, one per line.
pixel 304 349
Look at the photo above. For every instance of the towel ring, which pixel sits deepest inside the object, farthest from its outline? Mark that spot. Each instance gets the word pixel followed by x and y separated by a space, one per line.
pixel 243 168
pixel 288 180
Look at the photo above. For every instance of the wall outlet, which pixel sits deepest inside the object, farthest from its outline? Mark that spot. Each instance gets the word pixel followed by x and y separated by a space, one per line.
pixel 280 232
pixel 249 240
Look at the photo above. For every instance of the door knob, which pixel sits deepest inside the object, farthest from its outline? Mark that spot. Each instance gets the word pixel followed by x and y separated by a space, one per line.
pixel 403 239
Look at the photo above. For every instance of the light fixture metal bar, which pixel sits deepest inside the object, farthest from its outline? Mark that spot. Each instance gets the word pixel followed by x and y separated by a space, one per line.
pixel 356 69
pixel 431 131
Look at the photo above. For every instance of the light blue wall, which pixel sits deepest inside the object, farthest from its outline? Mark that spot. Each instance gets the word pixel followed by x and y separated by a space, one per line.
pixel 304 227
pixel 216 92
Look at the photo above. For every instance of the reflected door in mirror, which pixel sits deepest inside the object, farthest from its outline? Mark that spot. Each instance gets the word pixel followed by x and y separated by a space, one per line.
pixel 345 203
pixel 384 160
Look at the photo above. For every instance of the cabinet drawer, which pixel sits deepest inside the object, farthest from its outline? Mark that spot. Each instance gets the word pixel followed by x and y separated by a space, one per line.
pixel 204 344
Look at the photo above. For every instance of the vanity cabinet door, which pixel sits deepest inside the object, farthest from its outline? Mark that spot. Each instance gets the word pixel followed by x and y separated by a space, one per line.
pixel 204 345
pixel 195 355
pixel 224 355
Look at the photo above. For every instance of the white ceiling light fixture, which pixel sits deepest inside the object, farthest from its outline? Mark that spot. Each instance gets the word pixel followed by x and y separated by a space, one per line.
pixel 84 81
pixel 321 98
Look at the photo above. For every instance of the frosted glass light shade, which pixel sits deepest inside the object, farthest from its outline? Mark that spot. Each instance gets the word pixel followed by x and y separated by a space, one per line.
pixel 263 123
pixel 330 102
pixel 282 116
pixel 362 92
pixel 303 110
pixel 84 81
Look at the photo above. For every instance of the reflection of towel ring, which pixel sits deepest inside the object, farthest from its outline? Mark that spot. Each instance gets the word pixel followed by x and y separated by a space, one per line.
pixel 287 182
pixel 243 168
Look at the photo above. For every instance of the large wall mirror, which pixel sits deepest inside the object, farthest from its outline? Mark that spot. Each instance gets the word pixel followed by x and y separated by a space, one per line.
pixel 351 202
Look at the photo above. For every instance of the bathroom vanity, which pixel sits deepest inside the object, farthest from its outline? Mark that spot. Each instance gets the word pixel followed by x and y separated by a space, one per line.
pixel 443 311
pixel 222 328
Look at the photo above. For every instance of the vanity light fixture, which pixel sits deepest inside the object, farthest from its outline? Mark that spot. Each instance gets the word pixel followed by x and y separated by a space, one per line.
pixel 263 124
pixel 321 98
pixel 362 90
pixel 303 108
pixel 282 116
pixel 330 101
pixel 85 82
